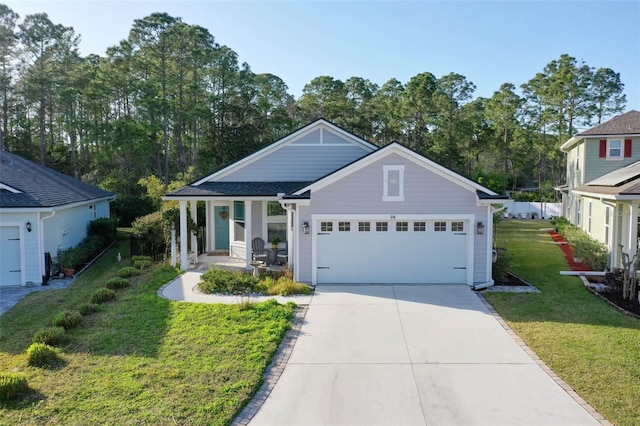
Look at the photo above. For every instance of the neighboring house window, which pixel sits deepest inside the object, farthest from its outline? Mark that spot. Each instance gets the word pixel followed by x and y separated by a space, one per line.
pixel 457 226
pixel 419 226
pixel 276 221
pixel 344 226
pixel 238 220
pixel 381 226
pixel 326 226
pixel 589 217
pixel 393 183
pixel 607 219
pixel 402 226
pixel 615 149
pixel 364 226
pixel 579 213
pixel 440 226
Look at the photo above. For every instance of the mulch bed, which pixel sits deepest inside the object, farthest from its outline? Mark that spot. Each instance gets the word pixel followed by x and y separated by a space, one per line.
pixel 614 298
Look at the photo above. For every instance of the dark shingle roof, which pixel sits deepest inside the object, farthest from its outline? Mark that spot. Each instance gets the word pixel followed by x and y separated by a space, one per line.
pixel 41 186
pixel 623 124
pixel 245 189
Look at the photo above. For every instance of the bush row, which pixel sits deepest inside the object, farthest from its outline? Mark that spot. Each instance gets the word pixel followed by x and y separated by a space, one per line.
pixel 101 232
pixel 592 252
pixel 236 282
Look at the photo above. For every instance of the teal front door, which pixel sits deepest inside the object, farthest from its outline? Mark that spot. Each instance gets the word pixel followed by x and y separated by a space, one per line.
pixel 221 215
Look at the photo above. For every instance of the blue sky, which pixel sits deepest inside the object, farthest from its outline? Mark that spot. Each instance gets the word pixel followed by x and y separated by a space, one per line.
pixel 490 43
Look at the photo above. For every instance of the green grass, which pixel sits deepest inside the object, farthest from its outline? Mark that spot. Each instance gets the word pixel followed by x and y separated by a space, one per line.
pixel 590 345
pixel 140 359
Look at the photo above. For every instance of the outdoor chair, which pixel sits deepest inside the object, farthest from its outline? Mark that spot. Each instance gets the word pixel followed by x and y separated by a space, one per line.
pixel 282 255
pixel 258 252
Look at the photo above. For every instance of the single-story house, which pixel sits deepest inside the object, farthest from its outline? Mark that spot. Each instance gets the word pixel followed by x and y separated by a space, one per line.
pixel 42 212
pixel 602 193
pixel 347 211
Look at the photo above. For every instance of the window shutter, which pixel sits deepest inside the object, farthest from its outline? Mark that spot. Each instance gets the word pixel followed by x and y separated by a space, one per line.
pixel 603 147
pixel 627 147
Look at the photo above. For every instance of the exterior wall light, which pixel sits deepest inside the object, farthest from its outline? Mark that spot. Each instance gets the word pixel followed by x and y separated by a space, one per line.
pixel 28 225
pixel 305 227
pixel 480 228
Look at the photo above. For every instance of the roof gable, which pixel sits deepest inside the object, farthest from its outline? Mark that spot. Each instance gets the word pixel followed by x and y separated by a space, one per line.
pixel 318 135
pixel 396 148
pixel 27 184
pixel 627 124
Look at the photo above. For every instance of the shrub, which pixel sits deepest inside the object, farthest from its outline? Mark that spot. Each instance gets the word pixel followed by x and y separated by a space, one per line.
pixel 103 295
pixel 141 264
pixel 104 227
pixel 285 286
pixel 592 252
pixel 116 283
pixel 128 271
pixel 67 319
pixel 88 308
pixel 12 385
pixel 137 258
pixel 41 355
pixel 49 336
pixel 223 281
pixel 151 232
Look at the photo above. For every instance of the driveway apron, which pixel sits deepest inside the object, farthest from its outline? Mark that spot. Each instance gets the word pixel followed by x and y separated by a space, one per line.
pixel 411 355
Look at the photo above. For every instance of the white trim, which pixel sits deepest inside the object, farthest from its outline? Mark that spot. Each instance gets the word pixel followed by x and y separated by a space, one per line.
pixel 610 157
pixel 220 197
pixel 9 188
pixel 321 124
pixel 568 145
pixel 406 153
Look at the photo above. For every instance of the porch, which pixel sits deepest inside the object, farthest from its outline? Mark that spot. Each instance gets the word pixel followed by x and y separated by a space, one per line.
pixel 209 260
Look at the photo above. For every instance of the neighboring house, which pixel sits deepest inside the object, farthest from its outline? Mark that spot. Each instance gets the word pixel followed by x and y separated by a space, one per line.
pixel 348 211
pixel 603 183
pixel 42 212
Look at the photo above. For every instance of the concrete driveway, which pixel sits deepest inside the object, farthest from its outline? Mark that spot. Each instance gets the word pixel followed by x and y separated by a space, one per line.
pixel 412 355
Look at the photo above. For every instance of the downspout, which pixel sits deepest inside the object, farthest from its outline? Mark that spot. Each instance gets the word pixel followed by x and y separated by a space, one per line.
pixel 492 211
pixel 41 240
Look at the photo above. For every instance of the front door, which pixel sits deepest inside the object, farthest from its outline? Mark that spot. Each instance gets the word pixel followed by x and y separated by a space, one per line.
pixel 221 219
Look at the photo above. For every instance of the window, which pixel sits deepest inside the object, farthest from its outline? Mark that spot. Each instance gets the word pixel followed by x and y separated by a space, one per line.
pixel 326 226
pixel 614 148
pixel 457 226
pixel 607 219
pixel 589 218
pixel 381 226
pixel 344 226
pixel 419 226
pixel 393 183
pixel 238 220
pixel 276 222
pixel 402 226
pixel 440 226
pixel 364 226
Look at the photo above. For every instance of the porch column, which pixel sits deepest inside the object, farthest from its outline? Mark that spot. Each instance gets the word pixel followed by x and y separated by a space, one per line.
pixel 194 218
pixel 248 233
pixel 632 244
pixel 184 263
pixel 209 223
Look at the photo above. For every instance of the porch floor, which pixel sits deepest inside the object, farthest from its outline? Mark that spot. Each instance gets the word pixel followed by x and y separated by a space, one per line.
pixel 206 261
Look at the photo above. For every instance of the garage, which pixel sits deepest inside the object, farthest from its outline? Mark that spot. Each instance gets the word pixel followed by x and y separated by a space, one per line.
pixel 10 267
pixel 401 250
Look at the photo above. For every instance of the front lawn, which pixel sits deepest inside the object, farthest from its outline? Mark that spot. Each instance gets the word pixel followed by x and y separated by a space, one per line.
pixel 589 344
pixel 140 359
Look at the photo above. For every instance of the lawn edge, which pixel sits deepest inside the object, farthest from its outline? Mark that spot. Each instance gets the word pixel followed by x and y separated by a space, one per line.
pixel 564 385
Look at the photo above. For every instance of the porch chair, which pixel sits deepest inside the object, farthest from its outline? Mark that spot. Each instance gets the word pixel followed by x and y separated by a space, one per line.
pixel 282 255
pixel 258 252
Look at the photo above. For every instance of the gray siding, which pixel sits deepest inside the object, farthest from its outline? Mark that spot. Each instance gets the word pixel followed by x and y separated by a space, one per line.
pixel 596 166
pixel 424 193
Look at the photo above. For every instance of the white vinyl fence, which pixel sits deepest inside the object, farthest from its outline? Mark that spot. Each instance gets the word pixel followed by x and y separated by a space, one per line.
pixel 536 210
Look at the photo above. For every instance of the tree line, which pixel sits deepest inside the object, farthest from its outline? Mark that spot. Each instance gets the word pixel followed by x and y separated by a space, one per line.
pixel 169 101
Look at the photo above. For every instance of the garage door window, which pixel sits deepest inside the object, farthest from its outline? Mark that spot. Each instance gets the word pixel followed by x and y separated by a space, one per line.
pixel 419 226
pixel 344 226
pixel 381 226
pixel 440 226
pixel 402 226
pixel 457 226
pixel 326 226
pixel 364 226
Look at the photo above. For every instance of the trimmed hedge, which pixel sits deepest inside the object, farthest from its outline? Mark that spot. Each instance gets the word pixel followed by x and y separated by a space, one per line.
pixel 141 264
pixel 103 295
pixel 116 283
pixel 49 336
pixel 67 319
pixel 223 281
pixel 12 385
pixel 41 355
pixel 592 252
pixel 128 271
pixel 88 308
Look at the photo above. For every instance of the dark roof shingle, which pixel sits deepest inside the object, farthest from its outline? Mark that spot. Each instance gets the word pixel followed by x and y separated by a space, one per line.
pixel 41 186
pixel 244 189
pixel 623 124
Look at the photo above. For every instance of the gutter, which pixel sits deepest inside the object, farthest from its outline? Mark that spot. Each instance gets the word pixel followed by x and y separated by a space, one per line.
pixel 482 285
pixel 41 241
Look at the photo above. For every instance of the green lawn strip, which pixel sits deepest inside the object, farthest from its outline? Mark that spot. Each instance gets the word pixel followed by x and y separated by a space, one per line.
pixel 590 345
pixel 142 359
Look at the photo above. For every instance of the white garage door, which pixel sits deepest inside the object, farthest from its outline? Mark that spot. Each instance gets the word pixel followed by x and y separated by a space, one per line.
pixel 403 251
pixel 10 273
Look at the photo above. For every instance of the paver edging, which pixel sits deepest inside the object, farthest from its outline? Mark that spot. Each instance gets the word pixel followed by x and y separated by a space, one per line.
pixel 564 385
pixel 275 369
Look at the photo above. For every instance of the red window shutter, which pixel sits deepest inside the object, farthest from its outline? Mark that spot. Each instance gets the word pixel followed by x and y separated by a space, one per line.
pixel 603 147
pixel 627 147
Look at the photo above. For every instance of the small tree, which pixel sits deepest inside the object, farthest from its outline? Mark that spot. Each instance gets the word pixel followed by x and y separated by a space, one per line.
pixel 630 277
